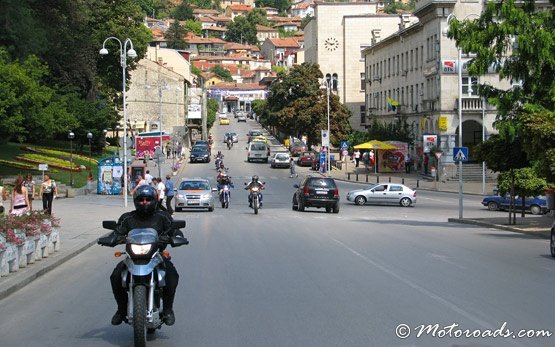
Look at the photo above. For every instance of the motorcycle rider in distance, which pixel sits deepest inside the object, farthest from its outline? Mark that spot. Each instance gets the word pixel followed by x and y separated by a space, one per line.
pixel 255 183
pixel 146 216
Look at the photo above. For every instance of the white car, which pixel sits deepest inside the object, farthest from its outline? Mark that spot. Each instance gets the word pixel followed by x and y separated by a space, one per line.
pixel 280 160
pixel 386 193
pixel 194 193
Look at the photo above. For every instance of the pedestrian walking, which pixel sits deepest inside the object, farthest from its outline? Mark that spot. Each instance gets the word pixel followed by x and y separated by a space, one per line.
pixel 149 178
pixel 170 193
pixel 30 185
pixel 161 188
pixel 292 168
pixel 48 191
pixel 426 161
pixel 19 204
pixel 408 162
pixel 357 157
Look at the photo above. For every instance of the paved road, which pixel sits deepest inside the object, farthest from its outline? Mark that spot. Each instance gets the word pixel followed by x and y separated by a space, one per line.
pixel 284 278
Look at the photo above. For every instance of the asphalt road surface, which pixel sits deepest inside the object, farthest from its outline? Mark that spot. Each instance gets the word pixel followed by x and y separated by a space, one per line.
pixel 287 278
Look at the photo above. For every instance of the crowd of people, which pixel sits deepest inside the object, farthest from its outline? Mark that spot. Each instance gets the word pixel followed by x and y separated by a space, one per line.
pixel 24 192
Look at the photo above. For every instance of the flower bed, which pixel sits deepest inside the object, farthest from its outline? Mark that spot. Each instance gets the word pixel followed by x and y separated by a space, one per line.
pixel 26 238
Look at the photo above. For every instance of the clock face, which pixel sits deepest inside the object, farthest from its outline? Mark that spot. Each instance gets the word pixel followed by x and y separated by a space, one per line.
pixel 331 44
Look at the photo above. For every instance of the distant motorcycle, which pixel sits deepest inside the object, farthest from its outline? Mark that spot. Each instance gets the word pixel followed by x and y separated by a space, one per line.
pixel 144 275
pixel 218 162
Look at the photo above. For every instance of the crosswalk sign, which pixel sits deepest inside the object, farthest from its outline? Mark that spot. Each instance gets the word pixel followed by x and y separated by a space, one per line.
pixel 460 154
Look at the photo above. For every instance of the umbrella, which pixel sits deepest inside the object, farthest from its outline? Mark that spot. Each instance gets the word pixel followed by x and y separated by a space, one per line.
pixel 375 144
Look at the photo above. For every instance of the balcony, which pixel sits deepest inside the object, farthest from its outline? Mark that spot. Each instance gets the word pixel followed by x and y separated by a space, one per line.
pixel 473 104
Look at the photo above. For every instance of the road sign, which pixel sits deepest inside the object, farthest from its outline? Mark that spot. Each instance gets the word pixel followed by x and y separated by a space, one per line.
pixel 325 138
pixel 344 145
pixel 43 167
pixel 438 155
pixel 460 154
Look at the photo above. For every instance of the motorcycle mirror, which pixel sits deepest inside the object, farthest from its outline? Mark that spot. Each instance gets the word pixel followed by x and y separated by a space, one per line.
pixel 178 241
pixel 178 224
pixel 109 224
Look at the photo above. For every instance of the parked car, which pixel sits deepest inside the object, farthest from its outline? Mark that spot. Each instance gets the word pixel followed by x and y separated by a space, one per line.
pixel 305 159
pixel 233 135
pixel 316 162
pixel 252 134
pixel 280 160
pixel 194 193
pixel 536 205
pixel 199 153
pixel 224 121
pixel 241 118
pixel 316 191
pixel 296 147
pixel 222 115
pixel 386 193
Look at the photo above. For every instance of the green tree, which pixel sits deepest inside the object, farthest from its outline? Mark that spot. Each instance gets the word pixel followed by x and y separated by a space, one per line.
pixel 175 36
pixel 281 5
pixel 212 108
pixel 258 16
pixel 194 27
pixel 222 72
pixel 521 182
pixel 518 41
pixel 298 106
pixel 242 31
pixel 183 11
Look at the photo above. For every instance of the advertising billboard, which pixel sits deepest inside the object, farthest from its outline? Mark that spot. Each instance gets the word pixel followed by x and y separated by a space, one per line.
pixel 194 111
pixel 144 144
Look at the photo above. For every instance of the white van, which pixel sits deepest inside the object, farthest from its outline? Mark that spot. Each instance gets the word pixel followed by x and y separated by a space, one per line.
pixel 257 151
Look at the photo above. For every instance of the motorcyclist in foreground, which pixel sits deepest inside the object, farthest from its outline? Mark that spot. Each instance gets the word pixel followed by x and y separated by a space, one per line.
pixel 146 216
pixel 255 183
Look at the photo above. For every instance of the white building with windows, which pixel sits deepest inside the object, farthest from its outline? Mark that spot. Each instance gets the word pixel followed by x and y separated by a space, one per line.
pixel 413 75
pixel 335 37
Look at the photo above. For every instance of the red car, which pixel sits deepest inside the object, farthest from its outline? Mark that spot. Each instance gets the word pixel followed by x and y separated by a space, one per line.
pixel 305 159
pixel 297 147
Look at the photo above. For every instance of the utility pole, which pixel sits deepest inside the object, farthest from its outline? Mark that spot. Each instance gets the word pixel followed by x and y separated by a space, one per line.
pixel 204 114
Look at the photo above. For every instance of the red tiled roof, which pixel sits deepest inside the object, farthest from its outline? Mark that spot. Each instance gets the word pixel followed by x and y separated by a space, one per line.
pixel 215 28
pixel 285 24
pixel 240 8
pixel 235 45
pixel 238 86
pixel 207 19
pixel 285 42
pixel 284 19
pixel 197 40
pixel 204 11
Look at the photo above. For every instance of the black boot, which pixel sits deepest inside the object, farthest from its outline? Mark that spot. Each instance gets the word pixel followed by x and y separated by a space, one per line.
pixel 119 317
pixel 168 317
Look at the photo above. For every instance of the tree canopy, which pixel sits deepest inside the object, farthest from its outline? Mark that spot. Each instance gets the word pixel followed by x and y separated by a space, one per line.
pixel 297 106
pixel 242 31
pixel 518 40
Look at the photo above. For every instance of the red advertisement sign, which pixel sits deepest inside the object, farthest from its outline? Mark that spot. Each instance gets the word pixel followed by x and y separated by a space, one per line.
pixel 148 144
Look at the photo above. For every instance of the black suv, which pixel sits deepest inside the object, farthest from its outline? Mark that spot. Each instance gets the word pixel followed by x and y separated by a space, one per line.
pixel 316 191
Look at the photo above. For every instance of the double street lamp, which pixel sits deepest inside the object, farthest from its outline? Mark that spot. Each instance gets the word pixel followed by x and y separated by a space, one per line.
pixel 124 53
pixel 329 83
pixel 71 136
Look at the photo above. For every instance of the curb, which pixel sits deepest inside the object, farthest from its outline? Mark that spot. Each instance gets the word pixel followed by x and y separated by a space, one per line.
pixel 540 233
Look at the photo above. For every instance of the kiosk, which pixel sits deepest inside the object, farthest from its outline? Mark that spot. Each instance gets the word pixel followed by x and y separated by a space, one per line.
pixel 110 176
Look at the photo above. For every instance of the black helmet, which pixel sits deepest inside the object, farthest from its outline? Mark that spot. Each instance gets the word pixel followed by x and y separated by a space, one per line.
pixel 149 193
pixel 255 178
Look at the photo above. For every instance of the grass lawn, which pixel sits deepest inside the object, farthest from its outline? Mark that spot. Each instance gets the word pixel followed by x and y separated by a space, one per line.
pixel 10 151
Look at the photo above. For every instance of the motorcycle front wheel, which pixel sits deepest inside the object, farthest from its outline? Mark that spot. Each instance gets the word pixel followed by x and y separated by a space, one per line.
pixel 139 316
pixel 255 205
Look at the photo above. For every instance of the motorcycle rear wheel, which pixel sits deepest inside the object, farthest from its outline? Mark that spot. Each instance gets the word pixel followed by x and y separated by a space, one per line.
pixel 139 316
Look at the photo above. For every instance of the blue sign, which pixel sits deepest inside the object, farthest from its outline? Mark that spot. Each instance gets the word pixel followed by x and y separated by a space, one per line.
pixel 344 145
pixel 460 154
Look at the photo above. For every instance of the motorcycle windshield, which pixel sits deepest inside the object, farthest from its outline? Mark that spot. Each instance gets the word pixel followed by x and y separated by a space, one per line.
pixel 142 236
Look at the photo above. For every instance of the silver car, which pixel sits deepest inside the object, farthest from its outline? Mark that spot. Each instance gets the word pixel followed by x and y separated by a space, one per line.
pixel 386 193
pixel 194 193
pixel 280 160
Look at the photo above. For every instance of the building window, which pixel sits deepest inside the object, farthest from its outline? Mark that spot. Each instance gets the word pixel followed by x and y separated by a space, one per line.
pixel 362 80
pixel 470 86
pixel 362 114
pixel 416 58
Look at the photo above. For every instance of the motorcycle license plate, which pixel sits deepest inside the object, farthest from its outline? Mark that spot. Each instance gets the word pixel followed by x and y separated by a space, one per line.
pixel 193 202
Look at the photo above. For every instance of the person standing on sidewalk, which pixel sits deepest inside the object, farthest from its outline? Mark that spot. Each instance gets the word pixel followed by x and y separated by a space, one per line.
pixel 48 191
pixel 408 162
pixel 19 204
pixel 161 188
pixel 357 157
pixel 170 193
pixel 149 178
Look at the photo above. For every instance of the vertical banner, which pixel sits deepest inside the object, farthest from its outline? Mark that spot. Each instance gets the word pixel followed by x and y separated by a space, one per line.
pixel 325 138
pixel 429 141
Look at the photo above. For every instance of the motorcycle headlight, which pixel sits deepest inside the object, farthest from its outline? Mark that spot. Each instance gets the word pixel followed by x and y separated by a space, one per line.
pixel 141 249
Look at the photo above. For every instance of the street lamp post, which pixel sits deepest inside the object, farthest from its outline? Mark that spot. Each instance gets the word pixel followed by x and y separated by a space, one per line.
pixel 90 136
pixel 459 110
pixel 71 136
pixel 124 53
pixel 328 81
